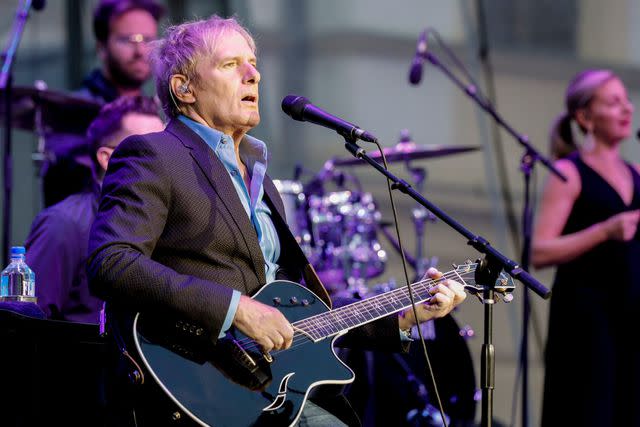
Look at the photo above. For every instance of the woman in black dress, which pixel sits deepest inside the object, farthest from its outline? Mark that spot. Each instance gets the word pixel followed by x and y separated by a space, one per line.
pixel 587 228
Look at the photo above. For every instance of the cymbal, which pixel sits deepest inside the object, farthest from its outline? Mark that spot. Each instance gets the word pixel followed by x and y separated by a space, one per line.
pixel 60 112
pixel 404 151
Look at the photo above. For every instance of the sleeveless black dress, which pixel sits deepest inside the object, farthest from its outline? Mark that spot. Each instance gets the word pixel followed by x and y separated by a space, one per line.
pixel 592 375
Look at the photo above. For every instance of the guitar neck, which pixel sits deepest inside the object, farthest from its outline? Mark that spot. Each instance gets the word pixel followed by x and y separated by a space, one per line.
pixel 362 312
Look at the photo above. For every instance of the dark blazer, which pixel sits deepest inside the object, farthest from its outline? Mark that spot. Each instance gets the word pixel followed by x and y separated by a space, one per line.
pixel 171 237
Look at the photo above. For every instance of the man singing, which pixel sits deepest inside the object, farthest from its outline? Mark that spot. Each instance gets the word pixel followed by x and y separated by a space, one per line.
pixel 190 225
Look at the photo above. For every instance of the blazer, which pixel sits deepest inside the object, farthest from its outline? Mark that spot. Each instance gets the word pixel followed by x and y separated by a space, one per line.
pixel 171 237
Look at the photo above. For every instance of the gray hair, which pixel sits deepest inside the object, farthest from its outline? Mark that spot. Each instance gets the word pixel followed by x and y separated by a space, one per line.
pixel 182 47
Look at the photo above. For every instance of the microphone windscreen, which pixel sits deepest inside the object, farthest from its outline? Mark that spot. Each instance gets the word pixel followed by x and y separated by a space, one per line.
pixel 415 72
pixel 294 106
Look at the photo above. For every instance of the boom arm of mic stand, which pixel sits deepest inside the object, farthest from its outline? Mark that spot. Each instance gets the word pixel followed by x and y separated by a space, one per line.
pixel 478 242
pixel 472 92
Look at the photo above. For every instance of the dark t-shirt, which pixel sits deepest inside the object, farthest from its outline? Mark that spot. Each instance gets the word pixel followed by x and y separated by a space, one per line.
pixel 57 253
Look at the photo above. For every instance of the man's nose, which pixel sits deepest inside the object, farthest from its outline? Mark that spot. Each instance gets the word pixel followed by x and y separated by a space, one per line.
pixel 252 75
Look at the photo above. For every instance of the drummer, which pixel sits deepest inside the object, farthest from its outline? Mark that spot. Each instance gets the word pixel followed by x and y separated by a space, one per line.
pixel 122 29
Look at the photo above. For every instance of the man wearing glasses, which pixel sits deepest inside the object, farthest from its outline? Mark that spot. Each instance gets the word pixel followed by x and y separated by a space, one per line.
pixel 123 29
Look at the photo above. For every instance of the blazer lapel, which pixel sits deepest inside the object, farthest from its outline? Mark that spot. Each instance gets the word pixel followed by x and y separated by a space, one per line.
pixel 221 184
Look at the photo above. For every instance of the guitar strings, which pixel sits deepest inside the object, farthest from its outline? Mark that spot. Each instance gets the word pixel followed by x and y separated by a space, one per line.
pixel 300 338
pixel 322 324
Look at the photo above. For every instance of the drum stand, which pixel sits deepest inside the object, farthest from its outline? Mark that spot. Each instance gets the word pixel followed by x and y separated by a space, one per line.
pixel 420 217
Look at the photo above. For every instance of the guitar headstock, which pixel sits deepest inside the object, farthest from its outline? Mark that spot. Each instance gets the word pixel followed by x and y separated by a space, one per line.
pixel 465 273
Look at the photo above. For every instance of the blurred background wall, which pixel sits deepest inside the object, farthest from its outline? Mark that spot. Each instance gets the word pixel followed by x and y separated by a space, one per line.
pixel 352 58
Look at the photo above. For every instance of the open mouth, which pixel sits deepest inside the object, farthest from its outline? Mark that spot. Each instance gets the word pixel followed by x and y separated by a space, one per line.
pixel 250 98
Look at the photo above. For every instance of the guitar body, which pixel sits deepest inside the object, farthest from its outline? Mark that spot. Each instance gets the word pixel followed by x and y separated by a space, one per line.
pixel 232 384
pixel 215 390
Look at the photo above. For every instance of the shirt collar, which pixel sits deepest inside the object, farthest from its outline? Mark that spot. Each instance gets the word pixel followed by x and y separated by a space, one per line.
pixel 252 150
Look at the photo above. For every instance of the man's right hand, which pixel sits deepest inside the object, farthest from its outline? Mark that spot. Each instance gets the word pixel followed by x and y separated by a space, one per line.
pixel 265 325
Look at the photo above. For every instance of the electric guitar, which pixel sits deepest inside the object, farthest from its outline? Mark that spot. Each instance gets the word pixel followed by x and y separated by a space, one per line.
pixel 234 384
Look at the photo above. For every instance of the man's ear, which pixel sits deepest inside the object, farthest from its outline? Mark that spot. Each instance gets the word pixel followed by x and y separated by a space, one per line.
pixel 103 155
pixel 182 89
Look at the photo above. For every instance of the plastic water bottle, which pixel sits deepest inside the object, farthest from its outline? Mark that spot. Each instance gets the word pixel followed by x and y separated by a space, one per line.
pixel 18 280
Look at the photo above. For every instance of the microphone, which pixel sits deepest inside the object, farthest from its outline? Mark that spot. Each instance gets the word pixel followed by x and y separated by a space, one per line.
pixel 38 4
pixel 415 72
pixel 301 109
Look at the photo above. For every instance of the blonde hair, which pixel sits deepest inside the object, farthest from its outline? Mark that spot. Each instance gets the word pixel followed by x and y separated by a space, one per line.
pixel 579 94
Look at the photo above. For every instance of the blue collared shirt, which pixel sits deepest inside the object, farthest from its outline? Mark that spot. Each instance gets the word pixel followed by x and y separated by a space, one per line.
pixel 253 154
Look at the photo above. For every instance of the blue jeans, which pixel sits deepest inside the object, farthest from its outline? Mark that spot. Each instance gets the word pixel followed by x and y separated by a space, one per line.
pixel 315 416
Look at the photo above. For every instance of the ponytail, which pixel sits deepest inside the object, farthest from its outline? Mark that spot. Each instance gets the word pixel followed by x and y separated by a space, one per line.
pixel 562 142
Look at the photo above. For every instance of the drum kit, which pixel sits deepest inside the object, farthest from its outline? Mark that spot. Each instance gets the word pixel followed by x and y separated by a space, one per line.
pixel 338 231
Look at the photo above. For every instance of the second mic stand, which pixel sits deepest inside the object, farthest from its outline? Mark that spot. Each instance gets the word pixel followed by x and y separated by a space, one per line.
pixel 528 162
pixel 486 275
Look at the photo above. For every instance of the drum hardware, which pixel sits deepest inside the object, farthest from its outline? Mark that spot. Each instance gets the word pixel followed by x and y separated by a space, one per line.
pixel 51 116
pixel 404 151
pixel 44 111
pixel 412 398
pixel 39 157
pixel 426 415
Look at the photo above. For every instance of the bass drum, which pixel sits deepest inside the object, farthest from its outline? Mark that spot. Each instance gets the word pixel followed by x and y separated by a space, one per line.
pixel 395 389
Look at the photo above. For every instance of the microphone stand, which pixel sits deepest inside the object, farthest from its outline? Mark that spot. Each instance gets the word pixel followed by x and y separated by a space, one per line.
pixel 527 165
pixel 6 87
pixel 486 274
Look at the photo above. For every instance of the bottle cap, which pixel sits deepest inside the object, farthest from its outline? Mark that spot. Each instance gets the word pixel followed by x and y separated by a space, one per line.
pixel 17 250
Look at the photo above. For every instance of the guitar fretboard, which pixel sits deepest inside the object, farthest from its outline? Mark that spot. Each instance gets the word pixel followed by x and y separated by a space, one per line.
pixel 361 312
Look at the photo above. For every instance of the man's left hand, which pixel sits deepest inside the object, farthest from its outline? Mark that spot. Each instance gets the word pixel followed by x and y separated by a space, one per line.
pixel 447 294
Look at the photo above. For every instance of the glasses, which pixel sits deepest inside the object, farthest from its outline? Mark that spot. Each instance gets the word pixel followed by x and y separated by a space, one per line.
pixel 134 39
